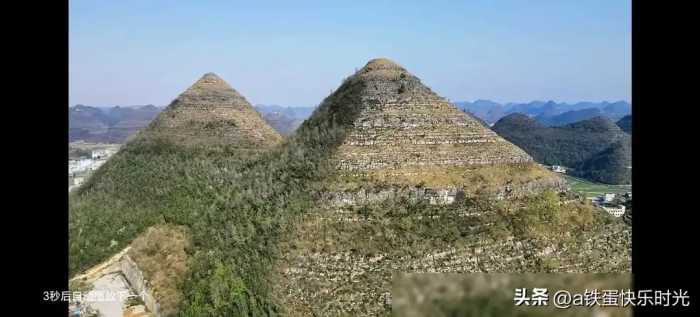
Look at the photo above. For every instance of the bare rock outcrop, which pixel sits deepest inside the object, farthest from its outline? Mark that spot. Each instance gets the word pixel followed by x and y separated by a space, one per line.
pixel 401 123
pixel 397 131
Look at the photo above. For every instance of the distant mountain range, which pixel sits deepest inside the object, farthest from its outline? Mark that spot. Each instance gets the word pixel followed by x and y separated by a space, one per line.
pixel 548 113
pixel 284 119
pixel 596 148
pixel 292 112
pixel 116 124
pixel 108 125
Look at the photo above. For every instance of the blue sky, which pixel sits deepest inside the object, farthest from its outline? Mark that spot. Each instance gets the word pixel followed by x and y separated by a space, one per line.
pixel 134 52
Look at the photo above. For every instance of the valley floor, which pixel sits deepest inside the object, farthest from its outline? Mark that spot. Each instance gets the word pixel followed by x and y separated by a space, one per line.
pixel 593 189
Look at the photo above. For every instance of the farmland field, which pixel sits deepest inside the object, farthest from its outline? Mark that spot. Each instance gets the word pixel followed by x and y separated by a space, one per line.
pixel 591 189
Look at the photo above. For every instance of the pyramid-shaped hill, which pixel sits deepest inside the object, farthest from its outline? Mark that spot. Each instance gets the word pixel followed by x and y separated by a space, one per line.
pixel 169 171
pixel 211 112
pixel 397 130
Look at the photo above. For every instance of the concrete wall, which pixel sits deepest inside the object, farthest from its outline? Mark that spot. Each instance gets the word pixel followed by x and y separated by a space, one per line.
pixel 139 285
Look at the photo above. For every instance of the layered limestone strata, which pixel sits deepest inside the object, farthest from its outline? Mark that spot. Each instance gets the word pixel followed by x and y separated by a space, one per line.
pixel 314 281
pixel 211 112
pixel 400 141
pixel 439 195
pixel 398 132
pixel 400 123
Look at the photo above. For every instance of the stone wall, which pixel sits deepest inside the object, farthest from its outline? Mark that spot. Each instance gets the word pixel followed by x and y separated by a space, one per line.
pixel 440 196
pixel 139 284
pixel 437 196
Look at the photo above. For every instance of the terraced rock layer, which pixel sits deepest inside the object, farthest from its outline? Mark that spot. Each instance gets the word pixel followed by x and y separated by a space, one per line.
pixel 332 266
pixel 401 123
pixel 211 112
pixel 399 132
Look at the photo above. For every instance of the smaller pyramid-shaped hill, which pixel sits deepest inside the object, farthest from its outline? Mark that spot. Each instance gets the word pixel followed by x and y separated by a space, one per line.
pixel 518 122
pixel 211 112
pixel 611 166
pixel 596 148
pixel 396 129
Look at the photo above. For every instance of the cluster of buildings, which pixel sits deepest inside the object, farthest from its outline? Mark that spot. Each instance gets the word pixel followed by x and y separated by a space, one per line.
pixel 612 203
pixel 80 169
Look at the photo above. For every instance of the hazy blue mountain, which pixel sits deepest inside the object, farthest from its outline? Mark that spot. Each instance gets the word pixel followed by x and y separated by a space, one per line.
pixel 291 112
pixel 116 124
pixel 569 117
pixel 533 108
pixel 617 110
pixel 282 123
pixel 546 112
pixel 485 110
pixel 108 124
pixel 284 119
pixel 625 124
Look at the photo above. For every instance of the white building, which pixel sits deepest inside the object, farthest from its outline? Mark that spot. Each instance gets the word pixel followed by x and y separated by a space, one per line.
pixel 558 169
pixel 608 197
pixel 101 154
pixel 98 154
pixel 615 211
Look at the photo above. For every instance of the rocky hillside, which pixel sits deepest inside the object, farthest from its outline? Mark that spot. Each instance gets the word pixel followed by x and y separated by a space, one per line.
pixel 596 149
pixel 408 191
pixel 341 260
pixel 187 169
pixel 397 131
pixel 384 177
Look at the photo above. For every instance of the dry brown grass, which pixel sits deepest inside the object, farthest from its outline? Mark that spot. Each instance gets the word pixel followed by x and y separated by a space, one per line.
pixel 161 255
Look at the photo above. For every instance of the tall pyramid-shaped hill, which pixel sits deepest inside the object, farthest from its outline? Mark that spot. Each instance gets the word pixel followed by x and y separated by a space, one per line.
pixel 397 129
pixel 211 112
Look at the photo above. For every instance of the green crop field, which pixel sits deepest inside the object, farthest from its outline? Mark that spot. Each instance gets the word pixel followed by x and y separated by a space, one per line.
pixel 591 189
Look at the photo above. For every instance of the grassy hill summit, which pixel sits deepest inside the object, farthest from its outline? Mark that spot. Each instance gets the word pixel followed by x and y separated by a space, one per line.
pixel 398 131
pixel 212 112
